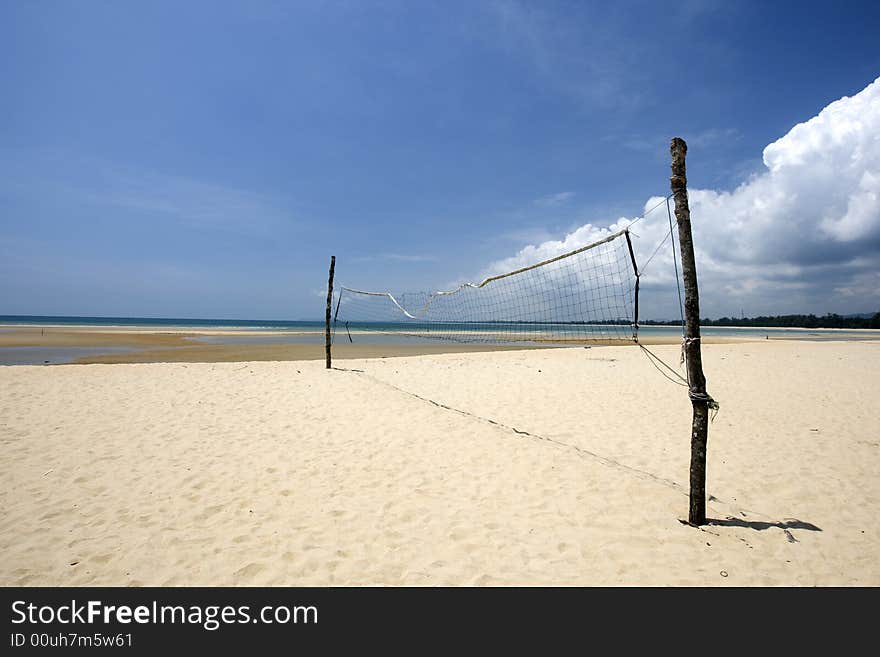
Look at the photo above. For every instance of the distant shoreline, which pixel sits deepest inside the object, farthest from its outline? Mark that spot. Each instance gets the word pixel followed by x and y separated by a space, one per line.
pixel 299 326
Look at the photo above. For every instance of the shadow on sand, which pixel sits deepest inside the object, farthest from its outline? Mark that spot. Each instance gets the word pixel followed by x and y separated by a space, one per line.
pixel 759 525
pixel 792 523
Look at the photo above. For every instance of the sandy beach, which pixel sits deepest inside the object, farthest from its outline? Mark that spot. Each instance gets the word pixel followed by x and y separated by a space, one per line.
pixel 535 467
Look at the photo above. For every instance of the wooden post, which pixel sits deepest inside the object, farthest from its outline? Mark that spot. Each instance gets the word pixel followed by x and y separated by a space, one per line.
pixel 700 400
pixel 329 304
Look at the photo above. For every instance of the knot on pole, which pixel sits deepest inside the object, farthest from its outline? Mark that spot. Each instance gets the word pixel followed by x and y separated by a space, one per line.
pixel 706 398
pixel 685 343
pixel 697 382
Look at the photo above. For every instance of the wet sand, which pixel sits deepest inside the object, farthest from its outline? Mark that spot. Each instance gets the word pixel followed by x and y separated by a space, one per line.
pixel 152 345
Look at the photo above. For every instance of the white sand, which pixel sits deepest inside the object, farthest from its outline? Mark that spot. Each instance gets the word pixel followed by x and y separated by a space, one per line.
pixel 286 474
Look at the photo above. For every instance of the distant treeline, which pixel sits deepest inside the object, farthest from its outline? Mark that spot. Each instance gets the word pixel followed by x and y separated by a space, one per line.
pixel 831 320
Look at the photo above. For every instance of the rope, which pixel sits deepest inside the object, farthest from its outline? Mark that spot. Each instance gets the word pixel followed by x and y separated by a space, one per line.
pixel 583 452
pixel 731 511
pixel 336 318
pixel 652 357
pixel 455 309
pixel 656 361
pixel 649 211
pixel 694 396
pixel 713 405
pixel 675 263
pixel 678 286
pixel 684 345
pixel 656 251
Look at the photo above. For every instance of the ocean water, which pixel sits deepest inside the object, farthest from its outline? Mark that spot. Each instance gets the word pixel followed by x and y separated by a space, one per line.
pixel 277 327
pixel 53 355
pixel 161 322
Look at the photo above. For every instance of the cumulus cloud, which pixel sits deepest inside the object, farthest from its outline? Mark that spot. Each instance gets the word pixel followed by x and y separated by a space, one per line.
pixel 803 235
pixel 586 234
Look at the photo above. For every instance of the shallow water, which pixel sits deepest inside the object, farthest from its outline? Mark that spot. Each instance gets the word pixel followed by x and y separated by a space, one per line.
pixel 53 355
pixel 647 332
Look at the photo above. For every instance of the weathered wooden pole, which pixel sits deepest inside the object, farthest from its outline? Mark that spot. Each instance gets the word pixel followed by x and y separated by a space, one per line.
pixel 700 400
pixel 329 304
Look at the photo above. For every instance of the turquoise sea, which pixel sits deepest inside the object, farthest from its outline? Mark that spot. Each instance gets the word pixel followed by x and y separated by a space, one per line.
pixel 160 322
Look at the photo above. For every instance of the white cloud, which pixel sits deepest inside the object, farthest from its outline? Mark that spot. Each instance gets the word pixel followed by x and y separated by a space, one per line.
pixel 533 253
pixel 803 235
pixel 554 200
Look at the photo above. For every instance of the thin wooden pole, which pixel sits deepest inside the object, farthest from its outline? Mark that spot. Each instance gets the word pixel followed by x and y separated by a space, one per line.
pixel 700 400
pixel 329 304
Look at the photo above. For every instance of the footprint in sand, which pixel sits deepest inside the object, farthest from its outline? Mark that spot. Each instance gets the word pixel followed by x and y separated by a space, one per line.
pixel 210 511
pixel 248 572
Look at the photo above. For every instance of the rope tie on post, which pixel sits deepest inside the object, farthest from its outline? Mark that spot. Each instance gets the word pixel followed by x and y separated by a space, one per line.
pixel 713 405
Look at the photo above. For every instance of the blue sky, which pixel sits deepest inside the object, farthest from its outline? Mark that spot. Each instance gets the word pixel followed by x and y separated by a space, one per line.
pixel 204 159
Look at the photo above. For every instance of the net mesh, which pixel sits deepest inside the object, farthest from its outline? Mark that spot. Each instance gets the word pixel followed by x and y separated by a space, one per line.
pixel 587 295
